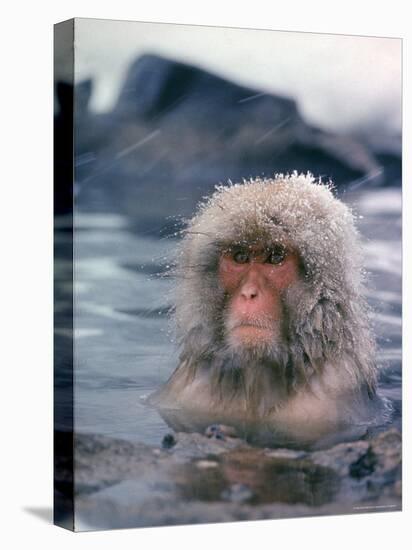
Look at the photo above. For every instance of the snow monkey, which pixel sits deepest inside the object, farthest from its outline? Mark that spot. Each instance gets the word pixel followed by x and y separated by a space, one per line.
pixel 270 317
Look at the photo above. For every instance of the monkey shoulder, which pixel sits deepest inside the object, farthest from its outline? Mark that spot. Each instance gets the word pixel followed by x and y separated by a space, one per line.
pixel 330 400
pixel 185 391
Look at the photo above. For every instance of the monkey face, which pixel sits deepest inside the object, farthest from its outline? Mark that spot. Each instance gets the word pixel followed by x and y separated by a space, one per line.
pixel 253 279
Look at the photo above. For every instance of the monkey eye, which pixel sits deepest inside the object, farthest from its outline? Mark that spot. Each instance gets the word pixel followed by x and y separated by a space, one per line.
pixel 276 255
pixel 240 257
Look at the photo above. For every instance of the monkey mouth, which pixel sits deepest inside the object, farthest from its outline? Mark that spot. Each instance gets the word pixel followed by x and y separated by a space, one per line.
pixel 251 329
pixel 263 325
pixel 251 333
pixel 252 326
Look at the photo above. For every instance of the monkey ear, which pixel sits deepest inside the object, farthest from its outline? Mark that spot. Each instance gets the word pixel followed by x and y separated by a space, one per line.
pixel 315 325
pixel 317 316
pixel 301 300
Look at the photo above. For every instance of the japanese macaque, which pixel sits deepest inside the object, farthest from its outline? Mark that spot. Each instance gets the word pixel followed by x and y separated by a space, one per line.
pixel 270 317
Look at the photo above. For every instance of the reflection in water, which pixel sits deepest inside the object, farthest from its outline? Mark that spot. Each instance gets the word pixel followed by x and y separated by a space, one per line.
pixel 258 479
pixel 268 434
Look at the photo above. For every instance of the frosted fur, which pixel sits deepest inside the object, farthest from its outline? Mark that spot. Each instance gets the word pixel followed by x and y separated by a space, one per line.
pixel 328 337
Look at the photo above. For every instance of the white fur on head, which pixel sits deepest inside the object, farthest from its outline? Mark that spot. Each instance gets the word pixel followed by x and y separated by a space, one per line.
pixel 327 321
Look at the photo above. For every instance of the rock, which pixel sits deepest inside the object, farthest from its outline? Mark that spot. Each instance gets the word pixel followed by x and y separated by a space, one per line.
pixel 184 130
pixel 195 445
pixel 237 493
pixel 201 479
pixel 364 466
pixel 168 441
pixel 205 464
pixel 386 449
pixel 220 431
pixel 285 453
pixel 342 456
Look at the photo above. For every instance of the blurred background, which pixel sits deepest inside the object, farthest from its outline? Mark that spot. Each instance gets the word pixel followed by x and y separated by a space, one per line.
pixel 340 82
pixel 186 107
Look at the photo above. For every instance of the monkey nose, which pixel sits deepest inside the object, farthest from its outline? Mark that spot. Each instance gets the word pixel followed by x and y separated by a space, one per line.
pixel 249 292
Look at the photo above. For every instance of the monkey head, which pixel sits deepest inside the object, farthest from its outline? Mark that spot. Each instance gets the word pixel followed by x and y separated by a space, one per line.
pixel 269 272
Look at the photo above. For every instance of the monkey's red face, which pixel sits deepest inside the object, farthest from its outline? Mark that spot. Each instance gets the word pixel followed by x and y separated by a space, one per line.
pixel 253 280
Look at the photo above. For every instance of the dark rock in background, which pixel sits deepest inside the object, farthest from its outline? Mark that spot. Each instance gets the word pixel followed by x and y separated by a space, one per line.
pixel 177 131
